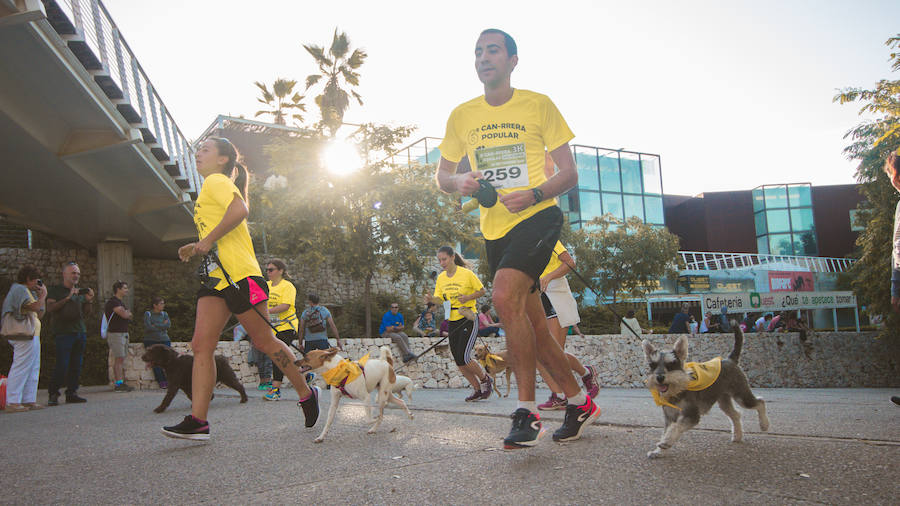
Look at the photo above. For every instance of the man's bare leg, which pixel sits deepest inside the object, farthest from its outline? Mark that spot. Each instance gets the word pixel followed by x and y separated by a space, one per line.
pixel 526 331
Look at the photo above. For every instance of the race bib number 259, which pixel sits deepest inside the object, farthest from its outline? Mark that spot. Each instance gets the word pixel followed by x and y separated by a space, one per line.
pixel 503 166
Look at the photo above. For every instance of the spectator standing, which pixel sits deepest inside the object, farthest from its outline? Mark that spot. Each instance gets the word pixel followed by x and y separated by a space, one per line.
pixel 118 317
pixel 156 331
pixel 26 299
pixel 680 322
pixel 391 327
pixel 704 323
pixel 68 304
pixel 632 322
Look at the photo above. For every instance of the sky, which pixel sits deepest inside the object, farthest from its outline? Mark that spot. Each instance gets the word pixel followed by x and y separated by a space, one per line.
pixel 732 95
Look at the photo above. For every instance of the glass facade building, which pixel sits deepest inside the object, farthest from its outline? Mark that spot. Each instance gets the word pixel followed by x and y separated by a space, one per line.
pixel 617 182
pixel 783 215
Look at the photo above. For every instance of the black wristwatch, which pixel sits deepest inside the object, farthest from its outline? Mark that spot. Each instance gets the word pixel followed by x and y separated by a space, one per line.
pixel 538 195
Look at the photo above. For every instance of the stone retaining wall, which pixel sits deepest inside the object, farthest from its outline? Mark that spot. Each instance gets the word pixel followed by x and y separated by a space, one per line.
pixel 836 359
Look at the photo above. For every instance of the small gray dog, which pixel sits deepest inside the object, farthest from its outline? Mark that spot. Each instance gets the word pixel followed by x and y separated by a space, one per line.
pixel 687 390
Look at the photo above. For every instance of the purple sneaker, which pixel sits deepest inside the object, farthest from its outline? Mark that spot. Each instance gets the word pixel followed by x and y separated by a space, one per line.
pixel 554 403
pixel 486 387
pixel 476 396
pixel 590 382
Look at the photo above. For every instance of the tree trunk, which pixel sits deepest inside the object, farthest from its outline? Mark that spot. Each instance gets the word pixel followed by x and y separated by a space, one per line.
pixel 368 304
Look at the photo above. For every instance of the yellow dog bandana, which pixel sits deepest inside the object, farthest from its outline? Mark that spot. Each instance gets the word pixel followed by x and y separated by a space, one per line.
pixel 490 361
pixel 345 372
pixel 703 374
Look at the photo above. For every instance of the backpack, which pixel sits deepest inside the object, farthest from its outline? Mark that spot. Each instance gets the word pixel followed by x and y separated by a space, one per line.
pixel 314 321
pixel 104 325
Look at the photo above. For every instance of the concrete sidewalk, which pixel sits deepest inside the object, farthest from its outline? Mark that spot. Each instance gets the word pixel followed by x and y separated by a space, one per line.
pixel 825 446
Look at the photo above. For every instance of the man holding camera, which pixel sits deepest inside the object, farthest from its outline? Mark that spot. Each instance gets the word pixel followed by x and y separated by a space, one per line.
pixel 68 305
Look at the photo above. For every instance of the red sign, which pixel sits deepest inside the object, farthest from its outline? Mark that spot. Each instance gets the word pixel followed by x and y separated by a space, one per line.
pixel 791 281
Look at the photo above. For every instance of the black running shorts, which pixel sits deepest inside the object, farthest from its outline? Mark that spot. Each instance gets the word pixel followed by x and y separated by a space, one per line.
pixel 548 307
pixel 528 246
pixel 462 339
pixel 250 291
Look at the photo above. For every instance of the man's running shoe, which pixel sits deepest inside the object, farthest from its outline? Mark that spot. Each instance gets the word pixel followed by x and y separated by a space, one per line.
pixel 526 430
pixel 577 418
pixel 476 396
pixel 310 407
pixel 554 403
pixel 487 385
pixel 590 382
pixel 189 428
pixel 273 395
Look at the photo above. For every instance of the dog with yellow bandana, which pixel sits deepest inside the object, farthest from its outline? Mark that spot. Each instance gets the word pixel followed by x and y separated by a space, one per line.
pixel 687 390
pixel 355 380
pixel 494 364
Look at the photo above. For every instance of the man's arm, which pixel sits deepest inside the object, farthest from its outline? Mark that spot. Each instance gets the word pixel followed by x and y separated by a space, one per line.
pixel 561 182
pixel 122 312
pixel 560 271
pixel 334 330
pixel 449 181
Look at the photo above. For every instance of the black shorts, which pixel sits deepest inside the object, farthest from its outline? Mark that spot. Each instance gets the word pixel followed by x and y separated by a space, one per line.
pixel 528 246
pixel 462 339
pixel 548 307
pixel 318 344
pixel 250 292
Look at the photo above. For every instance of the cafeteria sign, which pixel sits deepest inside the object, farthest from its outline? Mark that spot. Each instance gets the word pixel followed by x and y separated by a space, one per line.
pixel 776 301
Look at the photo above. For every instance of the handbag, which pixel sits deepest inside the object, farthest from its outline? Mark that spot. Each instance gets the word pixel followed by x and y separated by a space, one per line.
pixel 15 329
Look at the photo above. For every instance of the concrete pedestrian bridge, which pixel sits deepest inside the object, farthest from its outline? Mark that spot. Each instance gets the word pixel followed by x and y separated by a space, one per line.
pixel 90 153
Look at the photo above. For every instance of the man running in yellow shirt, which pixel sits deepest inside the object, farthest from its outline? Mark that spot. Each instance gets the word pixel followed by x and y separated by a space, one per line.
pixel 505 133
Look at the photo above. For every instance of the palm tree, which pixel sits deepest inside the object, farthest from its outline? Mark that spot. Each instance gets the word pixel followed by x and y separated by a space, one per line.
pixel 335 67
pixel 280 101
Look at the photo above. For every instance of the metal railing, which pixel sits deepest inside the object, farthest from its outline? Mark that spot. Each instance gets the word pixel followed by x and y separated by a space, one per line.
pixel 95 25
pixel 711 261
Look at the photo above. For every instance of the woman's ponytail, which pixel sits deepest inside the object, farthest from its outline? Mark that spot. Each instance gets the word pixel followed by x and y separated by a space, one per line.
pixel 242 181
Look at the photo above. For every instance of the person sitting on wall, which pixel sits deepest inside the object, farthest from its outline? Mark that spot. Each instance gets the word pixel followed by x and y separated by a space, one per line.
pixel 425 325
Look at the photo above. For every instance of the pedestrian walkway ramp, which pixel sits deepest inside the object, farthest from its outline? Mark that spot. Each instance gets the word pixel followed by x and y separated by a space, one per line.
pixel 89 150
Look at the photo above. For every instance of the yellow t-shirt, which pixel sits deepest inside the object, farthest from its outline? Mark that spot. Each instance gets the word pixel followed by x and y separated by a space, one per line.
pixel 507 144
pixel 554 262
pixel 284 293
pixel 235 249
pixel 463 282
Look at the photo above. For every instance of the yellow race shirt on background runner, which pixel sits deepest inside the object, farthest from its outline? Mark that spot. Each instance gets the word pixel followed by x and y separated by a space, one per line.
pixel 284 293
pixel 463 282
pixel 506 143
pixel 235 249
pixel 554 262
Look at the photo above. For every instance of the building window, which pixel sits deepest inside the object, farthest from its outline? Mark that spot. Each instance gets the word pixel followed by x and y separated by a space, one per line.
pixel 783 216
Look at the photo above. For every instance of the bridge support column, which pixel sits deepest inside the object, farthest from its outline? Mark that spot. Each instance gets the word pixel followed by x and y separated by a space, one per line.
pixel 115 261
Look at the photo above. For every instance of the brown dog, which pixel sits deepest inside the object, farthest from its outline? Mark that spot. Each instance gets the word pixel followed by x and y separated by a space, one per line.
pixel 178 372
pixel 494 364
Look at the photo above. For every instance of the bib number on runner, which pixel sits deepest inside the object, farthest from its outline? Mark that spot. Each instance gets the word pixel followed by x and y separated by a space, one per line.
pixel 503 166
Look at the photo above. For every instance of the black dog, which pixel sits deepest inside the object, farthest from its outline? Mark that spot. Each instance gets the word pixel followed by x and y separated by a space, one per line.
pixel 178 372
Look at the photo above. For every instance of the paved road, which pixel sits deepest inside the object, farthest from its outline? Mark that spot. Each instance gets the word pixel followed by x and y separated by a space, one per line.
pixel 836 446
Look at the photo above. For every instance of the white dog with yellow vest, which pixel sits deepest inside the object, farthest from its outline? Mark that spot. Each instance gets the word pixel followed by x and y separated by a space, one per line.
pixel 355 380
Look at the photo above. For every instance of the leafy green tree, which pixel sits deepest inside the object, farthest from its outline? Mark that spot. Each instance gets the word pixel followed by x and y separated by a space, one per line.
pixel 871 141
pixel 623 259
pixel 380 220
pixel 338 67
pixel 280 101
